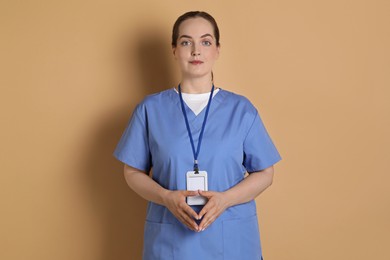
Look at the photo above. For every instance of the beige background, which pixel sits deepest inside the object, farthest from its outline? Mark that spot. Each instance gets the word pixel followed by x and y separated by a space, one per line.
pixel 72 72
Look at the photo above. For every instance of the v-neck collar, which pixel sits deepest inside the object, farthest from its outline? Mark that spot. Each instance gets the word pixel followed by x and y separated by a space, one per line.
pixel 196 120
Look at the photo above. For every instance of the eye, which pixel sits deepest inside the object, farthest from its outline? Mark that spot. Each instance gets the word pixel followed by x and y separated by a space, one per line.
pixel 185 43
pixel 206 43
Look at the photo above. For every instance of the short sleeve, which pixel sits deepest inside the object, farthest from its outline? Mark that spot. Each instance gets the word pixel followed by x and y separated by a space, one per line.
pixel 259 150
pixel 133 147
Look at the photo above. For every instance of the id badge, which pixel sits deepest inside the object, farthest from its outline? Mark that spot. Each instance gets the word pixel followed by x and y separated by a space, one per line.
pixel 196 181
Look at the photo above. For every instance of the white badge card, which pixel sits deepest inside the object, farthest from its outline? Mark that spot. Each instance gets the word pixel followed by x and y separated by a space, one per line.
pixel 196 181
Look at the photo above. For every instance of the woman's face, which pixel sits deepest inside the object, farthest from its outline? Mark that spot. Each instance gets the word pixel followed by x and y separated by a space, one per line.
pixel 196 49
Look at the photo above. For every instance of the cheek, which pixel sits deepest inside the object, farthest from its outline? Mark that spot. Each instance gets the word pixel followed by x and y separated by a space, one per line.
pixel 181 54
pixel 212 55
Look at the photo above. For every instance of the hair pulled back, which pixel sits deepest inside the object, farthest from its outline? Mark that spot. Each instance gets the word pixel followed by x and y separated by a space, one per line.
pixel 194 14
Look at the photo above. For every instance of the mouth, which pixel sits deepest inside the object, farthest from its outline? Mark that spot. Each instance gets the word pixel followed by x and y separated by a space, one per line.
pixel 196 62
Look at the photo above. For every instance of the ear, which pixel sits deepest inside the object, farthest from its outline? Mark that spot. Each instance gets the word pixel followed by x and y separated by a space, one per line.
pixel 174 51
pixel 218 50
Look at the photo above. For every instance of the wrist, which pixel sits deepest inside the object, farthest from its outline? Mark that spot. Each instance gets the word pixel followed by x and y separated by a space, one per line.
pixel 229 198
pixel 163 194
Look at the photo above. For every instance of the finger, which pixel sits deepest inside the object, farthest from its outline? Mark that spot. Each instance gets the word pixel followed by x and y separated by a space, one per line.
pixel 190 212
pixel 207 194
pixel 207 218
pixel 190 193
pixel 207 222
pixel 182 216
pixel 203 211
pixel 202 225
pixel 185 221
pixel 210 217
pixel 209 205
pixel 188 225
pixel 188 221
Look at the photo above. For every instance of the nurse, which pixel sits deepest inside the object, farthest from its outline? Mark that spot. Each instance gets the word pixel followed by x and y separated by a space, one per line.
pixel 198 135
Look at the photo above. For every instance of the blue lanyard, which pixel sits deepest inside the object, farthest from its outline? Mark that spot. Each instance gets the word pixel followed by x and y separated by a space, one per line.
pixel 196 153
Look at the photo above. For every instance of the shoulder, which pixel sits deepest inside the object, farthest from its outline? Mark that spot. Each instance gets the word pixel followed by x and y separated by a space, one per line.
pixel 156 100
pixel 238 101
pixel 158 97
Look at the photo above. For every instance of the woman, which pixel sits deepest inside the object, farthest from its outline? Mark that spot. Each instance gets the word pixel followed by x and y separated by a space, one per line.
pixel 183 133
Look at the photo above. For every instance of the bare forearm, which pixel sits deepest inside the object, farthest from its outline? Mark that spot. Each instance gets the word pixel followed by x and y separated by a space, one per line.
pixel 250 187
pixel 143 185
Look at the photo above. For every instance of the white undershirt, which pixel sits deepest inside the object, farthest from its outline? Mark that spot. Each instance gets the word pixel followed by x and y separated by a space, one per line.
pixel 197 102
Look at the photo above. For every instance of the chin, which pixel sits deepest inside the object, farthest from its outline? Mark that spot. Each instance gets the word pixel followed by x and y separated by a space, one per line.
pixel 198 74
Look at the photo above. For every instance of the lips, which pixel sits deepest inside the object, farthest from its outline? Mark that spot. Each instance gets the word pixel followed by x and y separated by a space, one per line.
pixel 196 62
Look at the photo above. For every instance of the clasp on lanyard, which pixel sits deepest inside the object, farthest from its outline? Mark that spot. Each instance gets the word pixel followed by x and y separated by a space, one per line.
pixel 196 167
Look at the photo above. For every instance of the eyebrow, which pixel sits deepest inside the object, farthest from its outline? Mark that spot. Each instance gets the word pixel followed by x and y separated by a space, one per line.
pixel 203 36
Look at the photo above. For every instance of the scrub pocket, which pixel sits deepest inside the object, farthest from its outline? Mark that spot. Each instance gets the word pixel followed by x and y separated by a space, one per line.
pixel 158 241
pixel 241 239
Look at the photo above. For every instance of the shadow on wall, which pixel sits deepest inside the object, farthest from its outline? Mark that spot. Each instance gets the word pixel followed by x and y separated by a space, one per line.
pixel 120 211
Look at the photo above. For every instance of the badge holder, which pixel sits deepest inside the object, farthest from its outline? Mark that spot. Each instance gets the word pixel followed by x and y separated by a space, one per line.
pixel 196 181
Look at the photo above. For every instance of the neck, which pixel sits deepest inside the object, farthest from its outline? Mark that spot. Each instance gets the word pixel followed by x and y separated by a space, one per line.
pixel 196 86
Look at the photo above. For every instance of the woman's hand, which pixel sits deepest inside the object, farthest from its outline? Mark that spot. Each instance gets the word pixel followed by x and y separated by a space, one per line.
pixel 175 201
pixel 216 205
pixel 248 189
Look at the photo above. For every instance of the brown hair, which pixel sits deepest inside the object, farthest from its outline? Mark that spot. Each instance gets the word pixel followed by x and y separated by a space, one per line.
pixel 194 14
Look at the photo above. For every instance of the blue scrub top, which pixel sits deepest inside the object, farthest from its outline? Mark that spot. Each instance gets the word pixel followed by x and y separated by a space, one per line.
pixel 235 141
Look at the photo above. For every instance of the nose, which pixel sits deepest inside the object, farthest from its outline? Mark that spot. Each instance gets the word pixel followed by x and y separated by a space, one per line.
pixel 195 51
